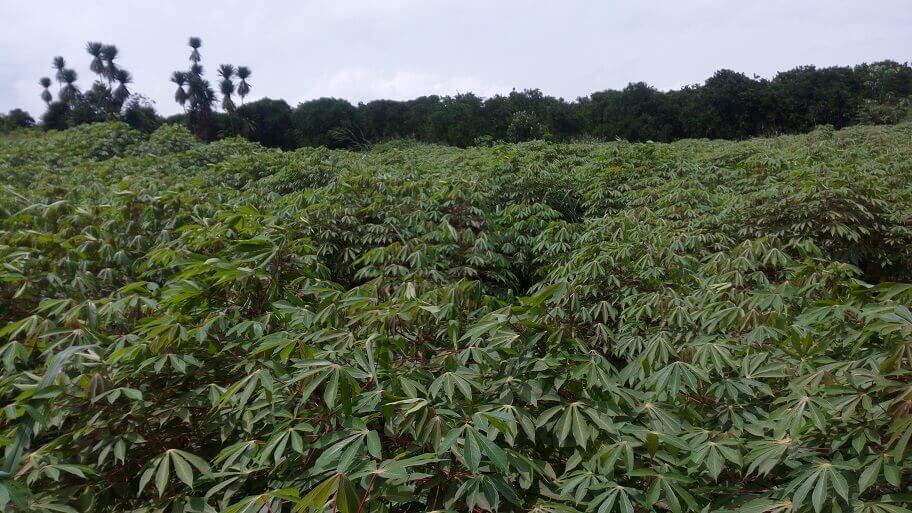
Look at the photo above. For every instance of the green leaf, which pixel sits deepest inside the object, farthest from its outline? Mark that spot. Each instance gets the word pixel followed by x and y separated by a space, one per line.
pixel 714 462
pixel 652 442
pixel 818 498
pixel 492 451
pixel 182 468
pixel 580 434
pixel 317 498
pixel 373 444
pixel 869 475
pixel 471 452
pixel 162 474
pixel 346 498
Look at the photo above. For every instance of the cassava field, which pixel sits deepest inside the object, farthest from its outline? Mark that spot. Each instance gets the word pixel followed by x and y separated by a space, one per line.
pixel 700 326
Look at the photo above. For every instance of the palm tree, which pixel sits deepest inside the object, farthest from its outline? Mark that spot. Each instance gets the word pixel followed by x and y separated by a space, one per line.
pixel 69 92
pixel 195 43
pixel 180 95
pixel 227 88
pixel 243 88
pixel 201 99
pixel 46 94
pixel 109 53
pixel 59 64
pixel 122 93
pixel 199 93
pixel 94 49
pixel 195 92
pixel 226 71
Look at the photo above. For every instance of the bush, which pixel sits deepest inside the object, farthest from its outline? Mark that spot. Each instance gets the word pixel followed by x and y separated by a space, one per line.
pixel 169 138
pixel 889 112
pixel 15 119
pixel 524 126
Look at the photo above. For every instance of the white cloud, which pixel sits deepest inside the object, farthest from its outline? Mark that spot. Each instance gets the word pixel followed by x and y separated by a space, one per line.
pixel 363 84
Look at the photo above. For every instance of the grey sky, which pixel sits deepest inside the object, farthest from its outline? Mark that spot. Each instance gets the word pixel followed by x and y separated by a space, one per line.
pixel 368 49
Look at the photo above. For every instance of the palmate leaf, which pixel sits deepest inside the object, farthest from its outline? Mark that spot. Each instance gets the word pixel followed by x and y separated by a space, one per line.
pixel 474 446
pixel 715 454
pixel 617 498
pixel 670 488
pixel 25 428
pixel 668 381
pixel 182 463
pixel 269 500
pixel 877 507
pixel 448 382
pixel 56 471
pixel 900 435
pixel 342 453
pixel 799 413
pixel 486 492
pixel 817 482
pixel 240 393
pixel 576 421
pixel 765 455
pixel 766 505
pixel 337 488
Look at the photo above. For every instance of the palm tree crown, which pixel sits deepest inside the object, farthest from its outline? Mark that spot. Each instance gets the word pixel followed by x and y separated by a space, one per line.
pixel 243 89
pixel 226 71
pixel 94 48
pixel 195 43
pixel 59 64
pixel 123 78
pixel 227 88
pixel 69 92
pixel 45 94
pixel 109 53
pixel 180 95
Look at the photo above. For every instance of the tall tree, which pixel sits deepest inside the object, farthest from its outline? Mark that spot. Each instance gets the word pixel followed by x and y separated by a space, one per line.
pixel 198 93
pixel 226 71
pixel 108 54
pixel 195 43
pixel 122 93
pixel 94 48
pixel 69 93
pixel 243 88
pixel 106 102
pixel 59 64
pixel 200 96
pixel 46 94
pixel 180 94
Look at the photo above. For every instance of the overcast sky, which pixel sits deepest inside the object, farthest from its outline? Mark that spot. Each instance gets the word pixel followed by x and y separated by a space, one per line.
pixel 367 49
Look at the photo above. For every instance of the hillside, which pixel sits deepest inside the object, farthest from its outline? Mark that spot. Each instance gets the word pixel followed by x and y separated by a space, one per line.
pixel 697 326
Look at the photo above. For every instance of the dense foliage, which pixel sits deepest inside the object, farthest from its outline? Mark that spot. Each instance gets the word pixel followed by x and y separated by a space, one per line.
pixel 698 326
pixel 728 105
pixel 15 119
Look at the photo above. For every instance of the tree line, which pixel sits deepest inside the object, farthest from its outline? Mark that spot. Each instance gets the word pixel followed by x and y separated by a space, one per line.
pixel 728 105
